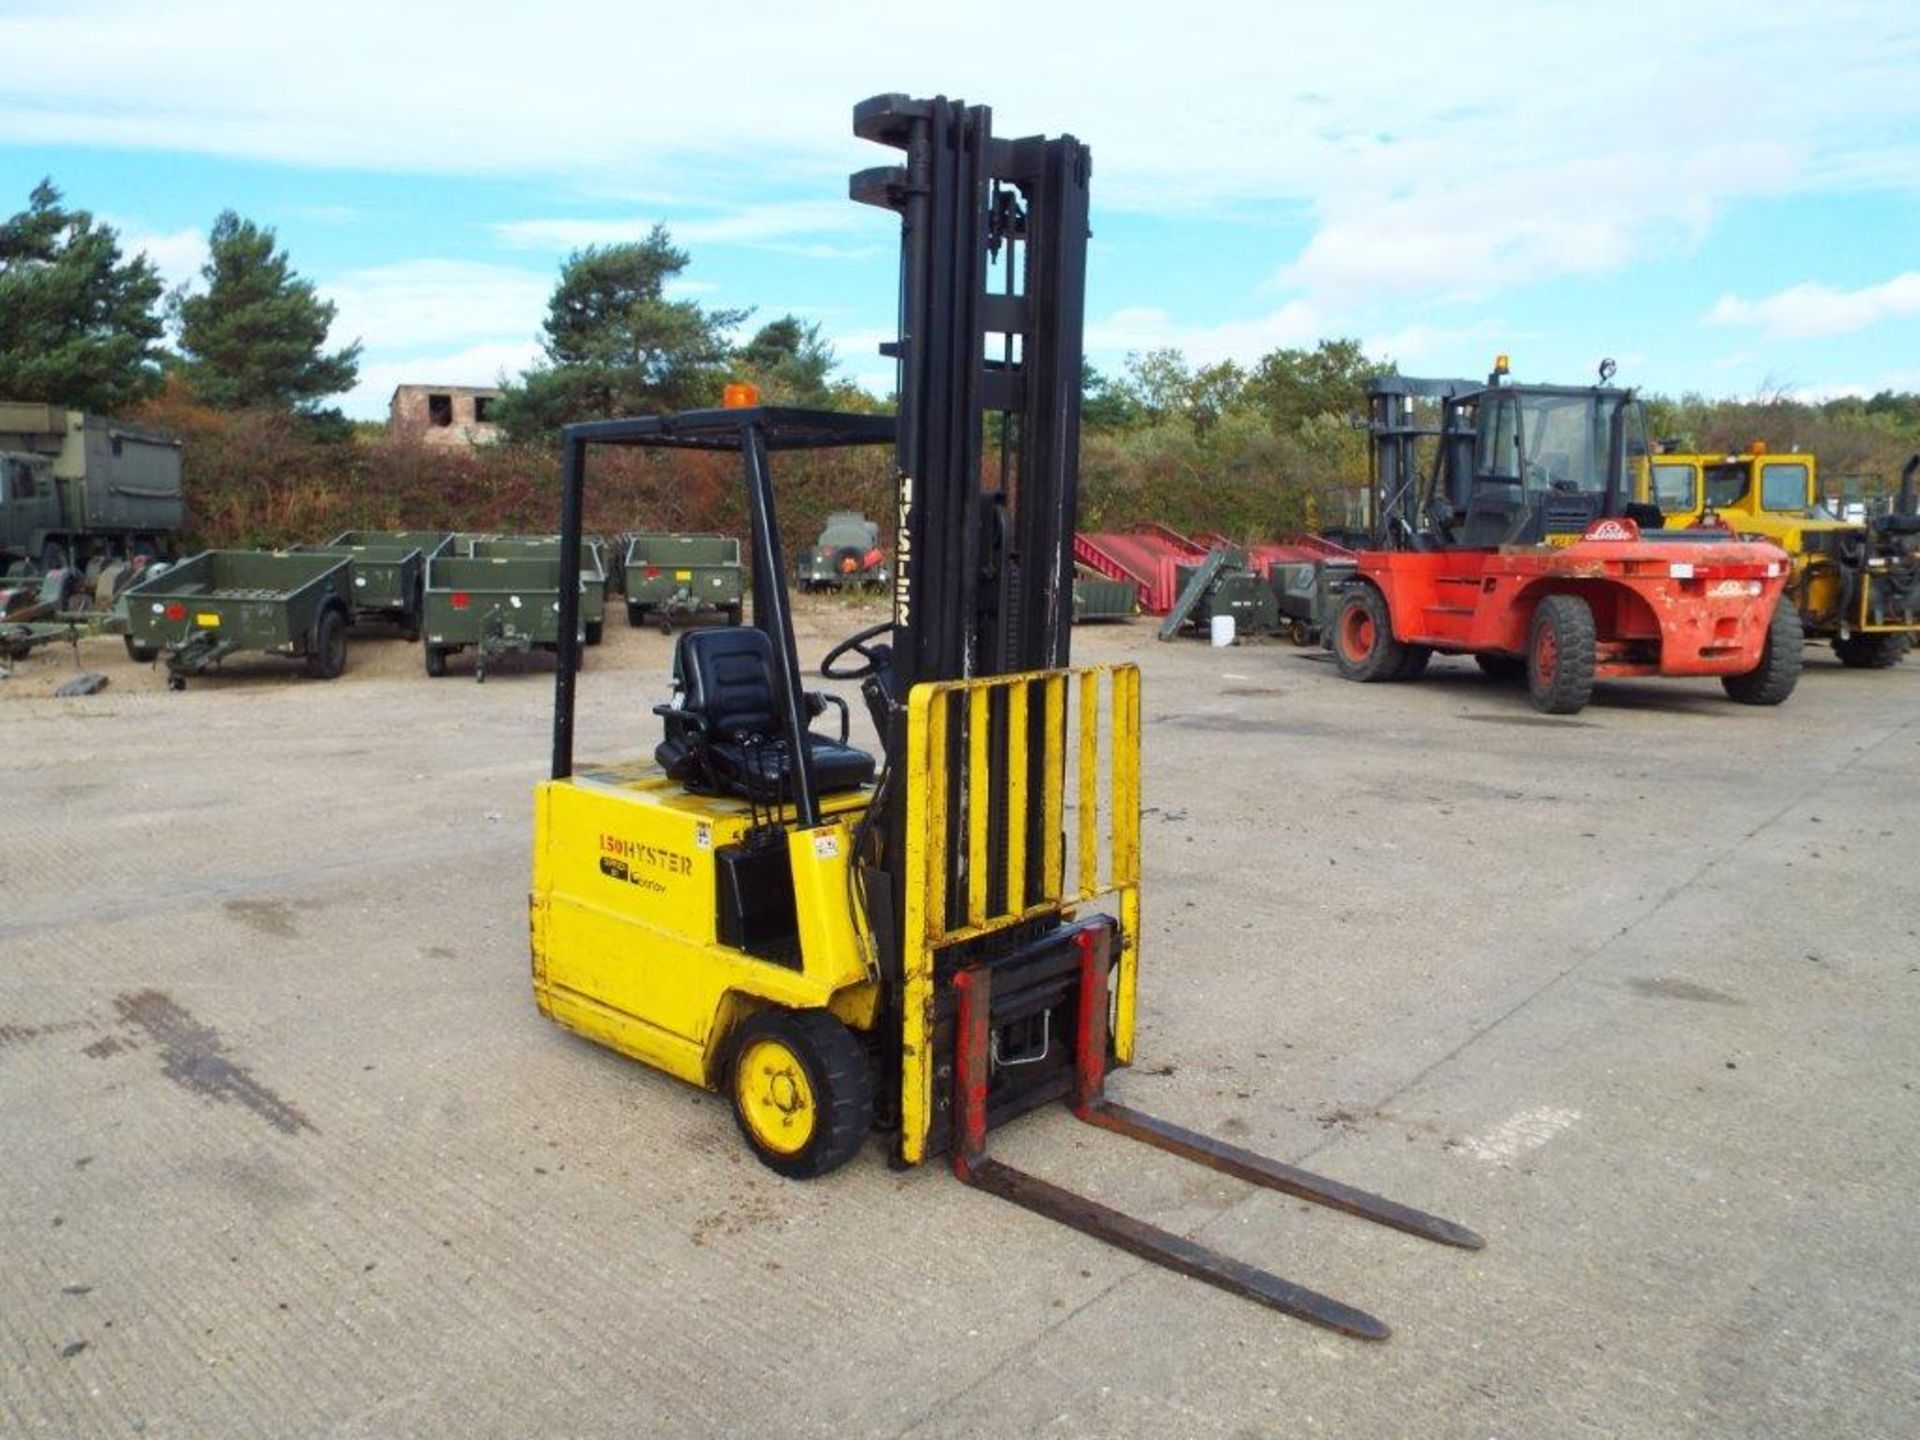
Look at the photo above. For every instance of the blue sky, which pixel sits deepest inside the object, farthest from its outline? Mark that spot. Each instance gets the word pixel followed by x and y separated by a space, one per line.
pixel 1723 199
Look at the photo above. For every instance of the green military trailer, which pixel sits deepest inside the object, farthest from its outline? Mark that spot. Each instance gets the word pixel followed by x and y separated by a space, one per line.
pixel 388 573
pixel 1096 597
pixel 668 575
pixel 282 602
pixel 593 569
pixel 493 605
pixel 846 555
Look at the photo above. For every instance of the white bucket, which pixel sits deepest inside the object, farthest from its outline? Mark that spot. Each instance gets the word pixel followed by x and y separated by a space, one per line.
pixel 1222 630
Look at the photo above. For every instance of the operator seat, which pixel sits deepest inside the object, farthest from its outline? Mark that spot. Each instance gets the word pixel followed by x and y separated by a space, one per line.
pixel 723 731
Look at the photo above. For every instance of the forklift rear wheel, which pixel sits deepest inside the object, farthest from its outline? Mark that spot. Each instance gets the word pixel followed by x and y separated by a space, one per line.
pixel 802 1091
pixel 1871 652
pixel 1560 657
pixel 329 654
pixel 1773 679
pixel 1363 643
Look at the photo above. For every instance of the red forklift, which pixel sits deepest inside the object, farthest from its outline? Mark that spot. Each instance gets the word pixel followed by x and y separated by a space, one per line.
pixel 1507 530
pixel 925 944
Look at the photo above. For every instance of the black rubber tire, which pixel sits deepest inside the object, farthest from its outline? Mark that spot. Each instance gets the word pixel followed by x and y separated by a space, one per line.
pixel 1560 655
pixel 595 631
pixel 636 615
pixel 1363 645
pixel 842 574
pixel 1414 664
pixel 138 653
pixel 436 661
pixel 1502 667
pixel 735 613
pixel 1773 679
pixel 1872 652
pixel 328 657
pixel 838 1073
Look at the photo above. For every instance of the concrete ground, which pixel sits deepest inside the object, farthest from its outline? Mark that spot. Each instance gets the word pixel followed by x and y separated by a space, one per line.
pixel 288 1150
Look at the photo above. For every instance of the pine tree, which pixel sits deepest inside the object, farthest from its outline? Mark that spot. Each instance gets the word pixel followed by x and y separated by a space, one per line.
pixel 254 335
pixel 79 326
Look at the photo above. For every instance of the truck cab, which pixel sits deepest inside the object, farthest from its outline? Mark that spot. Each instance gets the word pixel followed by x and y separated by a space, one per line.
pixel 29 503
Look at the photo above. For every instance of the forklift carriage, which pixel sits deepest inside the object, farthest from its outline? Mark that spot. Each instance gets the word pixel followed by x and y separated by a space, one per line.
pixel 843 944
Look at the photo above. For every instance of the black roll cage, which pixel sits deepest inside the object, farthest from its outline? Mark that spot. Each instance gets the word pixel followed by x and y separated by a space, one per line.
pixel 754 433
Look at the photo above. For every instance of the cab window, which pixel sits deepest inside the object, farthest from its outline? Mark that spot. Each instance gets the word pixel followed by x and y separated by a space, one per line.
pixel 1726 485
pixel 1499 456
pixel 1675 488
pixel 1783 487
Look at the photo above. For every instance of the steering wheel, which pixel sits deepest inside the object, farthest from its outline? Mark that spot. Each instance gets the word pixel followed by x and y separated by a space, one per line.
pixel 860 643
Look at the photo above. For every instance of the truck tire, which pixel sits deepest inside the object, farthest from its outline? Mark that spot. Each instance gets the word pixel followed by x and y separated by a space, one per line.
pixel 1560 656
pixel 1773 679
pixel 328 657
pixel 1872 652
pixel 1363 645
pixel 801 1088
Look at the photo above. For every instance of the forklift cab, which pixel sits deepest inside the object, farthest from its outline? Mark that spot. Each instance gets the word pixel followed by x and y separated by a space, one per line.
pixel 1547 461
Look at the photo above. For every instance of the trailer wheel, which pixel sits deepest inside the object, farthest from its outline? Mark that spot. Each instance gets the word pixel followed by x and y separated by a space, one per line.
pixel 1501 667
pixel 1363 643
pixel 138 653
pixel 802 1091
pixel 328 657
pixel 1871 652
pixel 1560 657
pixel 1773 679
pixel 436 662
pixel 636 615
pixel 735 613
pixel 595 631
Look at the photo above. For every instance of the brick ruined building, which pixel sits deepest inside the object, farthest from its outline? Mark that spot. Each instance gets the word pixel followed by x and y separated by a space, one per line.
pixel 444 414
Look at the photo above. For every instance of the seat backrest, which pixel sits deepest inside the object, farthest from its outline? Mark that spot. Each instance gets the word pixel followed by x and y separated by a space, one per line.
pixel 725 675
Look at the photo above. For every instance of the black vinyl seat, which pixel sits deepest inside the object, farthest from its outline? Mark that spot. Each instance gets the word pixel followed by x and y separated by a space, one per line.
pixel 723 730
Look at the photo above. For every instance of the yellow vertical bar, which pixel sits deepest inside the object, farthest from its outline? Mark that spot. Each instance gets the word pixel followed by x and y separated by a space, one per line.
pixel 979 773
pixel 926 824
pixel 1053 800
pixel 935 830
pixel 1017 796
pixel 1126 814
pixel 1088 876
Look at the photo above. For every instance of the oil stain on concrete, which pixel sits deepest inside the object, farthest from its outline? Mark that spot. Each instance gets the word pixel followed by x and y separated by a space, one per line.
pixel 193 1056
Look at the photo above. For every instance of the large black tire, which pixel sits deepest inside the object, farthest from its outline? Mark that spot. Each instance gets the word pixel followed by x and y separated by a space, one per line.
pixel 1363 645
pixel 328 657
pixel 1502 667
pixel 1560 655
pixel 803 1069
pixel 138 653
pixel 1872 652
pixel 1773 679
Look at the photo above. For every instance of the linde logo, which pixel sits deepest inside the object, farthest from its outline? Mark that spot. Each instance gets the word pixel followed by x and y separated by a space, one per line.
pixel 1613 530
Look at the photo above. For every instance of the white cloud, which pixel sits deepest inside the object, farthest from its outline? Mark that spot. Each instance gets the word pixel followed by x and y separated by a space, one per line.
pixel 1138 329
pixel 177 255
pixel 417 304
pixel 1813 309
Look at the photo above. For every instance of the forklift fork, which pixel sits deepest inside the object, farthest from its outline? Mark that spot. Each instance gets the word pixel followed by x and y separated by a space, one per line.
pixel 972 1072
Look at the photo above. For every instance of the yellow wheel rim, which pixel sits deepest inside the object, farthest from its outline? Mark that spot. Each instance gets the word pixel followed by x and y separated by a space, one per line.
pixel 771 1090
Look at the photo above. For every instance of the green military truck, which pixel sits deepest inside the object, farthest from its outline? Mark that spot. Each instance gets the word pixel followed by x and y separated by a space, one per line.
pixel 669 575
pixel 78 492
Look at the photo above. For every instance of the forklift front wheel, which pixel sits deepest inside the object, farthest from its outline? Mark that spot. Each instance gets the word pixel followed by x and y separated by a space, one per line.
pixel 1363 643
pixel 802 1091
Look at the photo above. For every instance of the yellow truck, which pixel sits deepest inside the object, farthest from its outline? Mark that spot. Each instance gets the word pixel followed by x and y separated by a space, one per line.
pixel 1856 583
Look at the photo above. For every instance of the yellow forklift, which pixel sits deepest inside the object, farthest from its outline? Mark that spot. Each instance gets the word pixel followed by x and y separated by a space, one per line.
pixel 926 943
